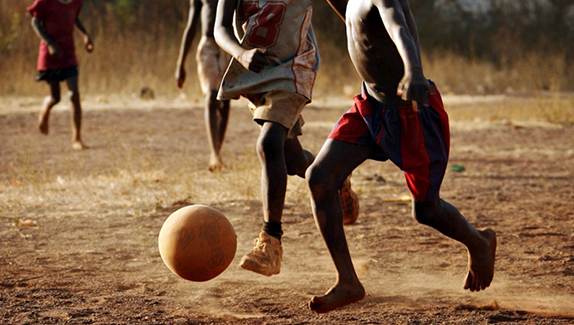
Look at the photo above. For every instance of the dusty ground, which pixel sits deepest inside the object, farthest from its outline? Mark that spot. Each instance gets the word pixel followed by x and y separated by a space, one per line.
pixel 89 253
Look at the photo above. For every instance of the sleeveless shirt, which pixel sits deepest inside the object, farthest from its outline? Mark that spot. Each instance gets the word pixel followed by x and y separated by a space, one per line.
pixel 281 26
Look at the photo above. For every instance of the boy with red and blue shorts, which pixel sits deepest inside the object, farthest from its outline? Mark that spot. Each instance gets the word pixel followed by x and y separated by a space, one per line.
pixel 54 22
pixel 417 141
pixel 399 117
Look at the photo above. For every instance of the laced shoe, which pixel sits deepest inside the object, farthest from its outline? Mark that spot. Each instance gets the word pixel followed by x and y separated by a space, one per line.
pixel 266 256
pixel 349 202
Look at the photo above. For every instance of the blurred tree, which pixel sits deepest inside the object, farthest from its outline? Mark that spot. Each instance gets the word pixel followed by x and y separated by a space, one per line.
pixel 562 28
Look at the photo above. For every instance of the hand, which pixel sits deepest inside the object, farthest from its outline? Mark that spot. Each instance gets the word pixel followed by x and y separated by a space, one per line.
pixel 89 44
pixel 256 59
pixel 180 75
pixel 55 50
pixel 414 88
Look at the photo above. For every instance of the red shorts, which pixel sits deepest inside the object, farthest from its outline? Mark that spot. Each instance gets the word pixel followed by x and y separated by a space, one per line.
pixel 417 142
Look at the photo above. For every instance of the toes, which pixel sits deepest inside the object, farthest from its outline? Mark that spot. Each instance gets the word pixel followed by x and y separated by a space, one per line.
pixel 468 282
pixel 315 305
pixel 312 304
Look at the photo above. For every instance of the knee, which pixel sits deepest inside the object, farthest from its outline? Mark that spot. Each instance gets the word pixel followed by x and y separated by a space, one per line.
pixel 54 99
pixel 297 163
pixel 424 213
pixel 74 96
pixel 268 148
pixel 317 180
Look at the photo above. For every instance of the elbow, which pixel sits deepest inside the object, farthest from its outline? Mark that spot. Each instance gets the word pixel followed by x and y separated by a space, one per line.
pixel 219 34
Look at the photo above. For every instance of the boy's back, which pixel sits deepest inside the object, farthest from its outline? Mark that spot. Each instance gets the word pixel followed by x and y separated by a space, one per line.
pixel 58 20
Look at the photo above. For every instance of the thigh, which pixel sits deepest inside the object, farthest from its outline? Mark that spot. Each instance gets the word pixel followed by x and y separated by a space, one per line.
pixel 279 106
pixel 338 159
pixel 210 69
pixel 424 150
pixel 54 88
pixel 72 83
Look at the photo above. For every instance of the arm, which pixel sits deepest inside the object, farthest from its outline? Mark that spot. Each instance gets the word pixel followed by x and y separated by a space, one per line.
pixel 412 25
pixel 340 7
pixel 38 27
pixel 187 40
pixel 397 18
pixel 251 59
pixel 87 39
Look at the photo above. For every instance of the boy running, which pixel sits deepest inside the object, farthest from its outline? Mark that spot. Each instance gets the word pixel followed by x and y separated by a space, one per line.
pixel 54 22
pixel 274 66
pixel 211 64
pixel 399 116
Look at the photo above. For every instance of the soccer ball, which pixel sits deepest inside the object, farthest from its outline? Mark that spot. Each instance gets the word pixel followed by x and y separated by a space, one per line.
pixel 197 242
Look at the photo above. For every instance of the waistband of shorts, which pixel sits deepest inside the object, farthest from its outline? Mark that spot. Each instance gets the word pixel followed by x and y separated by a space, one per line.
pixel 369 92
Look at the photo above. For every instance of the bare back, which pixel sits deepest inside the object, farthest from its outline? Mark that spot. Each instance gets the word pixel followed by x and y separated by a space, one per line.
pixel 376 55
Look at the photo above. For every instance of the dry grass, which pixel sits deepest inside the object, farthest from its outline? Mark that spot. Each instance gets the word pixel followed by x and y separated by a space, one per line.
pixel 546 108
pixel 142 51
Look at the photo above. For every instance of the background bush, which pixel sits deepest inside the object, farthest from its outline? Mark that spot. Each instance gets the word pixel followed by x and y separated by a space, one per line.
pixel 511 46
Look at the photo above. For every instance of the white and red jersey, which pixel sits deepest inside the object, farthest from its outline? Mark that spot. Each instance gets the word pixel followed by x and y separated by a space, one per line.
pixel 284 27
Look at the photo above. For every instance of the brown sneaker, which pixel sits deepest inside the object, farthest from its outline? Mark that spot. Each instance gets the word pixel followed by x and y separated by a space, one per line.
pixel 266 256
pixel 349 202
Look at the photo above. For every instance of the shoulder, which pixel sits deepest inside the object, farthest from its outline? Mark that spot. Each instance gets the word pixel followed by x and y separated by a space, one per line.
pixel 38 5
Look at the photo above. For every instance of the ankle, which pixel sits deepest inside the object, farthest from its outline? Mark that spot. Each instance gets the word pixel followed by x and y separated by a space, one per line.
pixel 273 229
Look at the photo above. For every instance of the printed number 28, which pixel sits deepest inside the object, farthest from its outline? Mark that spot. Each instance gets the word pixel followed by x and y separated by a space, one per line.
pixel 266 29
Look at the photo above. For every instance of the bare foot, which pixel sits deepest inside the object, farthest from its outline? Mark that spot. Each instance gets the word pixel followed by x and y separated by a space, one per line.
pixel 337 296
pixel 43 122
pixel 78 145
pixel 215 163
pixel 481 263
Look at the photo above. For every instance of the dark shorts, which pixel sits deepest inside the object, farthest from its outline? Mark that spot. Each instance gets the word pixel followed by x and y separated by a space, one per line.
pixel 417 142
pixel 57 74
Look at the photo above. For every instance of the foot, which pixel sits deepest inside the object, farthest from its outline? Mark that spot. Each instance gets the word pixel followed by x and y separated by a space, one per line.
pixel 481 263
pixel 78 145
pixel 266 256
pixel 215 163
pixel 43 122
pixel 349 202
pixel 338 296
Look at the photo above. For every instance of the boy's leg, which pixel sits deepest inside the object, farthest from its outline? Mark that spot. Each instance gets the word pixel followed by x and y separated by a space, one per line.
pixel 76 113
pixel 49 102
pixel 481 244
pixel 216 117
pixel 270 149
pixel 297 159
pixel 266 256
pixel 333 164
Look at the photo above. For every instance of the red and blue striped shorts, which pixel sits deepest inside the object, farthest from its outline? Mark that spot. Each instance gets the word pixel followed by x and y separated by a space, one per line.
pixel 417 141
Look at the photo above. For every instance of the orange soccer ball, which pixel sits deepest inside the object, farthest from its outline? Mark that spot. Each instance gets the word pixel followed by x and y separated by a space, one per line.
pixel 197 242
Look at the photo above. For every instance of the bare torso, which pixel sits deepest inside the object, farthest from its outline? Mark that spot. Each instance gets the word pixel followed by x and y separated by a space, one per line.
pixel 379 64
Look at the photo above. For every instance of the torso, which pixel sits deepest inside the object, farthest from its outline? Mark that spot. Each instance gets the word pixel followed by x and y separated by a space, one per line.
pixel 282 26
pixel 378 64
pixel 59 21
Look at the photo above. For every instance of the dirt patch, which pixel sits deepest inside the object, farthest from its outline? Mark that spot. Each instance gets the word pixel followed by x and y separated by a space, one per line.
pixel 91 257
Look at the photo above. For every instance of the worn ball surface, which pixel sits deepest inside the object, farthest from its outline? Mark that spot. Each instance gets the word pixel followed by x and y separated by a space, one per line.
pixel 197 242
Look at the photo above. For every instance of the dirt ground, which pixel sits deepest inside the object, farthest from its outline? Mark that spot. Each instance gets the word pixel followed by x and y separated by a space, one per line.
pixel 78 230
